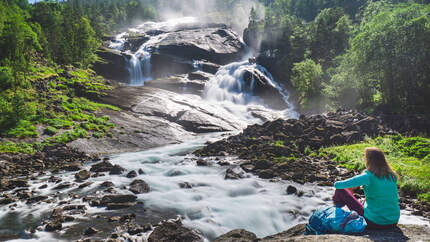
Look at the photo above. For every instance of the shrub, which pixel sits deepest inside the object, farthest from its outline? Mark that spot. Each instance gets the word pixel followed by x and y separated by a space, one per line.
pixel 24 129
pixel 50 130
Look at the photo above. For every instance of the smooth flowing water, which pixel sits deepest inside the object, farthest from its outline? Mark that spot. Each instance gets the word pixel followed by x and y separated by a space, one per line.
pixel 229 87
pixel 213 205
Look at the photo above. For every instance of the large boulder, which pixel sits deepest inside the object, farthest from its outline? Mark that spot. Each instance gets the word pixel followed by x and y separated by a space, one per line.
pixel 237 235
pixel 112 65
pixel 174 231
pixel 217 45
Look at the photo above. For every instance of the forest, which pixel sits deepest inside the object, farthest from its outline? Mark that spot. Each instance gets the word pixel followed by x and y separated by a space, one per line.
pixel 370 55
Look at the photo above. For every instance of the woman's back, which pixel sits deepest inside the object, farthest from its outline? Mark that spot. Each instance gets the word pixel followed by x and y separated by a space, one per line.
pixel 382 200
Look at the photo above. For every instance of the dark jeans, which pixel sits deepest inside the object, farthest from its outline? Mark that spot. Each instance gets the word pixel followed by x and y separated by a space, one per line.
pixel 344 197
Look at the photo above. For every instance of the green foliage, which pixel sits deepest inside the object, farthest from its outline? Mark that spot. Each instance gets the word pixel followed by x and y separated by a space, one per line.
pixel 67 137
pixel 6 77
pixel 307 79
pixel 414 146
pixel 389 57
pixel 58 123
pixel 50 130
pixel 12 147
pixel 403 154
pixel 14 106
pixel 279 143
pixel 24 129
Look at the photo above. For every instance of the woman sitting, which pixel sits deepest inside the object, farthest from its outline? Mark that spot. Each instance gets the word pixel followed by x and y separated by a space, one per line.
pixel 381 208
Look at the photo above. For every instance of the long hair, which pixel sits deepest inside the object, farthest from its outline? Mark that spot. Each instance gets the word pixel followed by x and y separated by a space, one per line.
pixel 377 164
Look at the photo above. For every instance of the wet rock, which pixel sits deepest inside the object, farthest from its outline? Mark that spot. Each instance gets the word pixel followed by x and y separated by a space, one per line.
pixel 139 186
pixel 263 164
pixel 62 186
pixel 198 75
pixel 103 166
pixel 266 174
pixel 12 184
pixel 107 184
pixel 114 219
pixel 116 170
pixel 82 175
pixel 174 231
pixel 134 229
pixel 43 186
pixel 120 198
pixel 75 166
pixel 6 201
pixel 90 231
pixel 185 185
pixel 291 190
pixel 74 207
pixel 36 199
pixel 83 185
pixel 237 235
pixel 131 174
pixel 234 173
pixel 115 206
pixel 202 162
pixel 128 217
pixel 53 226
pixel 112 65
pixel 54 179
pixel 141 172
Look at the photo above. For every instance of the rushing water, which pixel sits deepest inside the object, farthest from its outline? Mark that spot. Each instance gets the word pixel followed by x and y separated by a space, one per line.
pixel 230 87
pixel 142 57
pixel 213 205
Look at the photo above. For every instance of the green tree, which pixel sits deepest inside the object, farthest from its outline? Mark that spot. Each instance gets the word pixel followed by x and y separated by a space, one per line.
pixel 307 79
pixel 391 53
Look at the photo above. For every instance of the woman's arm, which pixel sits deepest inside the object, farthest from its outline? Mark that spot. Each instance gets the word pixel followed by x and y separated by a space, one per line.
pixel 355 181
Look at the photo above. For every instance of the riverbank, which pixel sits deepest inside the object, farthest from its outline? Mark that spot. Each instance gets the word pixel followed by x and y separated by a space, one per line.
pixel 299 150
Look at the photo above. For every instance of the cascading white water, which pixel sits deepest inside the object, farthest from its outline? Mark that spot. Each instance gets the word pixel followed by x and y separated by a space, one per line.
pixel 229 85
pixel 142 57
pixel 212 205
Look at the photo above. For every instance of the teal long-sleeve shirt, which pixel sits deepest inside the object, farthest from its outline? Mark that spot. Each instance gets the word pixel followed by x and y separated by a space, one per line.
pixel 382 198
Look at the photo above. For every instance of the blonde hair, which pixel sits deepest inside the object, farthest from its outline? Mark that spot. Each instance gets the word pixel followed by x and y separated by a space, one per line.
pixel 378 165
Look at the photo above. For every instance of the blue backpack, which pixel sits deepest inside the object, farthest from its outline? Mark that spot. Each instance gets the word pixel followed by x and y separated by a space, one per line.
pixel 329 219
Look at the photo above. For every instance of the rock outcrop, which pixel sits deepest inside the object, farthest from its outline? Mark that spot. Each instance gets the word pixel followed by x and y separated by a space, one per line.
pixel 402 233
pixel 112 64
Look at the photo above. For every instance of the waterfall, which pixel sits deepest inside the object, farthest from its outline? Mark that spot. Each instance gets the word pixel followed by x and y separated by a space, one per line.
pixel 229 85
pixel 142 57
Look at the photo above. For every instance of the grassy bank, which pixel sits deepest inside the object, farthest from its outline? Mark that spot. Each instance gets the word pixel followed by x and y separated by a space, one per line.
pixel 57 105
pixel 409 157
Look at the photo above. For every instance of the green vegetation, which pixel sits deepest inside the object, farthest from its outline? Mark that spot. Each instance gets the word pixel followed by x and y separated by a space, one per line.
pixel 366 54
pixel 409 157
pixel 12 147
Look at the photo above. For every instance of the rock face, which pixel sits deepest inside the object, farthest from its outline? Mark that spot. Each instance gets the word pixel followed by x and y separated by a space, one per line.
pixel 402 233
pixel 113 65
pixel 218 45
pixel 174 52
